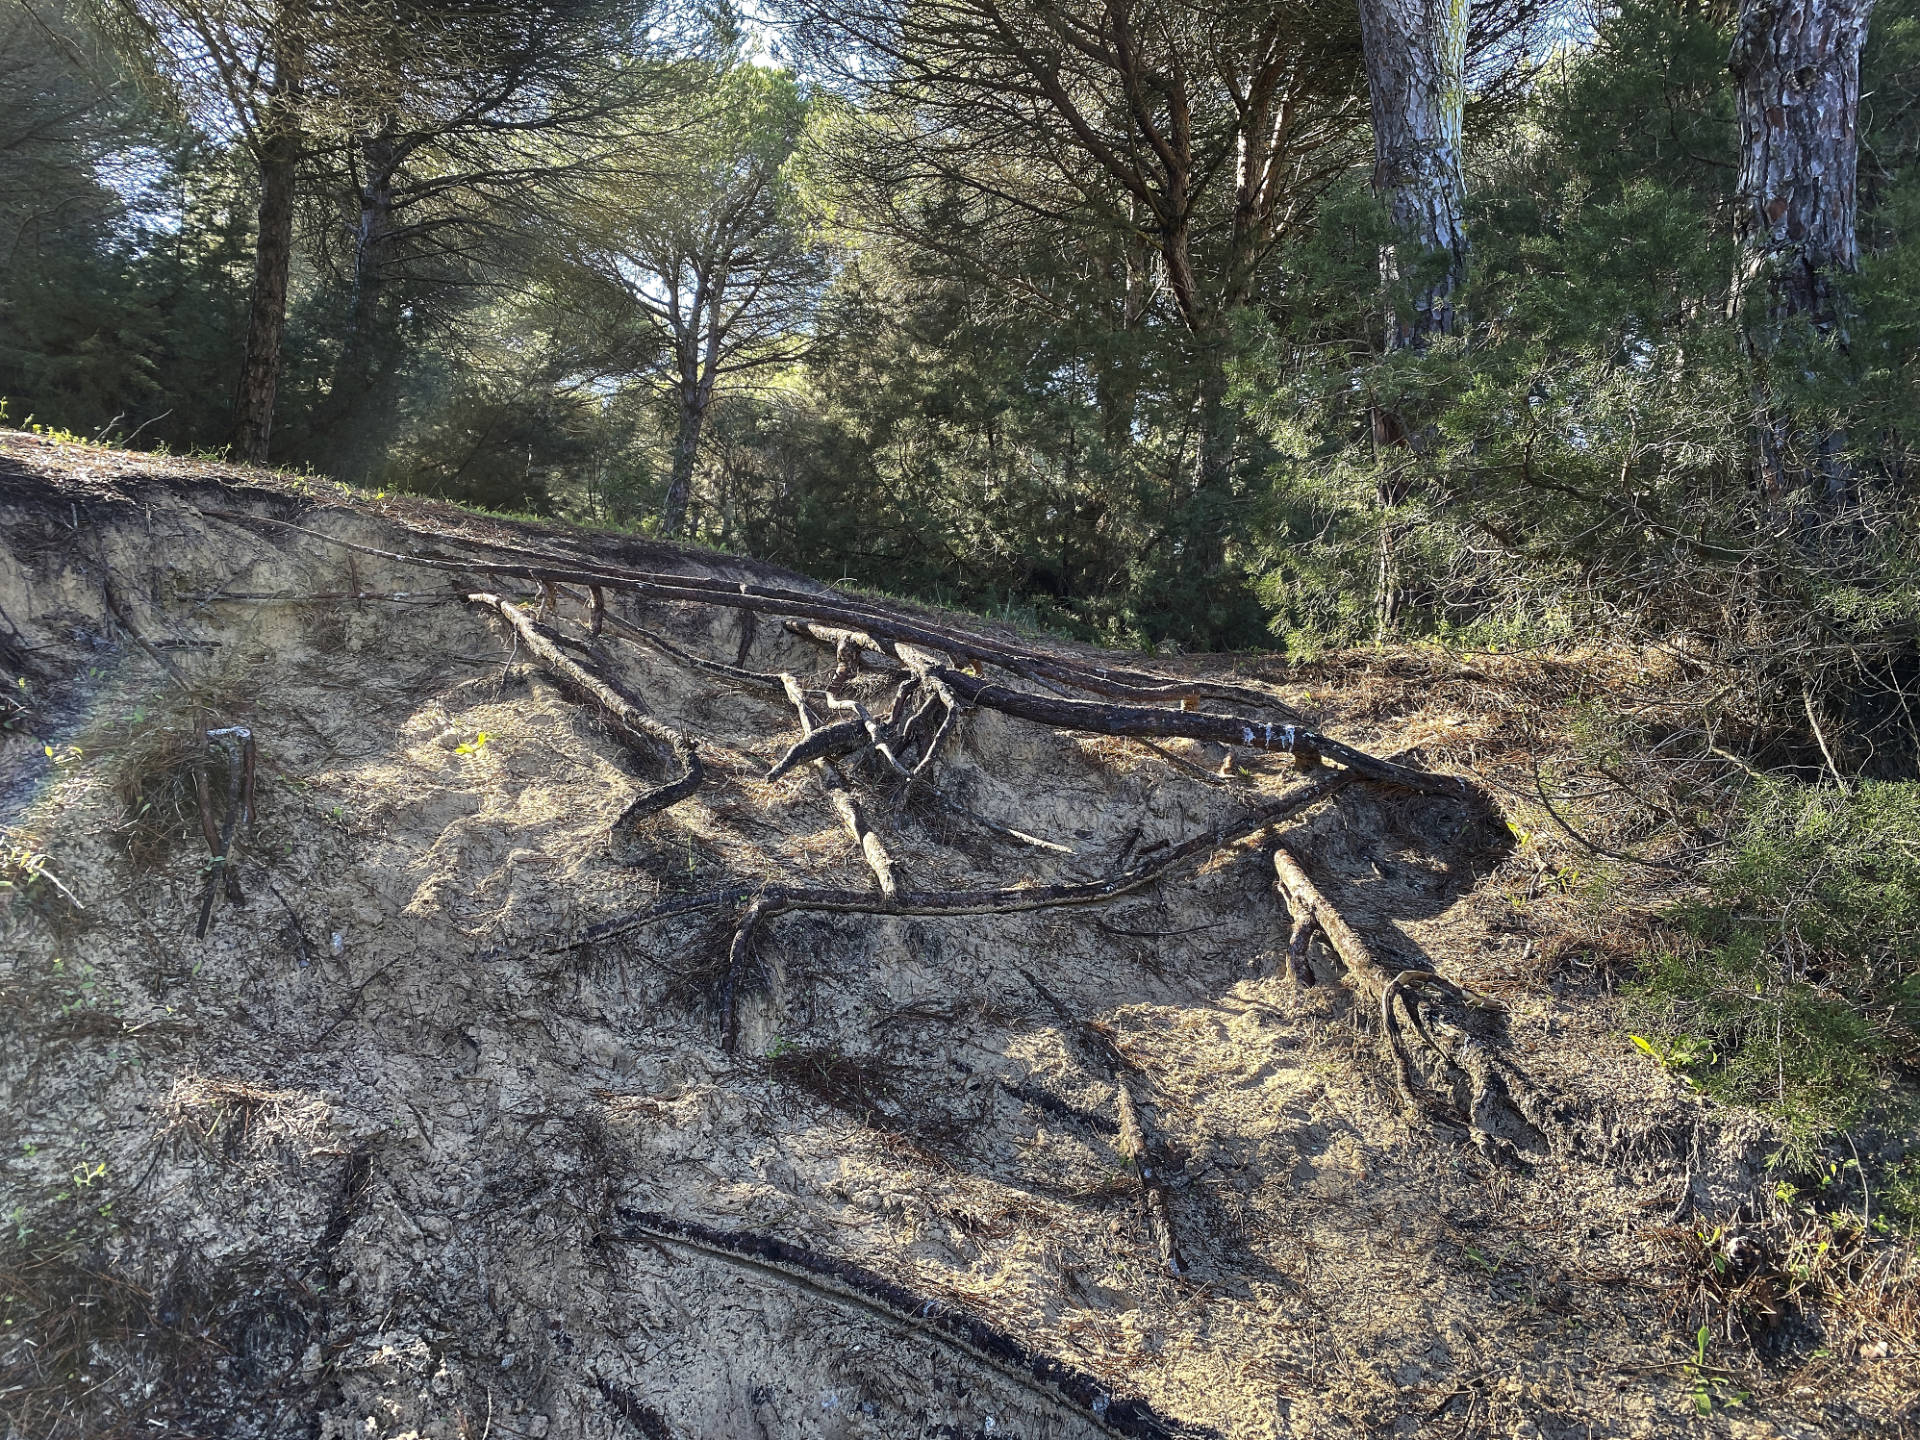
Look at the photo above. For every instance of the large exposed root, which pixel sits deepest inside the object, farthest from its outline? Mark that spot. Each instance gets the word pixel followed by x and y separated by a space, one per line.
pixel 635 728
pixel 1422 1014
pixel 1501 1107
pixel 1053 1381
pixel 831 609
pixel 1424 1017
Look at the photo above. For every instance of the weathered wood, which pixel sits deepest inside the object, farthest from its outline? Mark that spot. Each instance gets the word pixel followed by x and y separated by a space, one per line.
pixel 872 848
pixel 1084 1399
pixel 1133 720
pixel 1304 898
pixel 843 737
pixel 764 904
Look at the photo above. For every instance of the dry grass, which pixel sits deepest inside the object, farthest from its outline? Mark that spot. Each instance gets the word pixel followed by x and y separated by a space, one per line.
pixel 862 1088
pixel 89 1354
pixel 150 753
pixel 234 1118
pixel 1743 1283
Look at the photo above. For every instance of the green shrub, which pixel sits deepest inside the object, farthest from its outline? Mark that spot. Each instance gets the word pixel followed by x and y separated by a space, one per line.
pixel 1794 985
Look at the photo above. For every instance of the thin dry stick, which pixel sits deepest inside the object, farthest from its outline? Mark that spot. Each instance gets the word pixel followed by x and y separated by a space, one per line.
pixel 1133 1144
pixel 1806 697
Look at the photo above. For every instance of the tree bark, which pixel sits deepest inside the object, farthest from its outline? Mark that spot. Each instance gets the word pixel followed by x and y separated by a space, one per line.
pixel 276 148
pixel 1416 53
pixel 267 310
pixel 686 450
pixel 1796 66
pixel 344 420
pixel 697 373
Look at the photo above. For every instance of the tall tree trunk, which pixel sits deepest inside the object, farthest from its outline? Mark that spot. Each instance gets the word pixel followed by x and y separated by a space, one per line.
pixel 355 370
pixel 267 309
pixel 372 240
pixel 1416 54
pixel 277 150
pixel 695 392
pixel 1796 64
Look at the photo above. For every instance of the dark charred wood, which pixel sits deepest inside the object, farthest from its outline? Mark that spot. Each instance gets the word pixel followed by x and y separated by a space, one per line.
pixel 1054 1379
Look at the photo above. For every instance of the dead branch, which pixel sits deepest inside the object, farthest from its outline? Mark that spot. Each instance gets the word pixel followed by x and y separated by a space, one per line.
pixel 1133 1144
pixel 634 728
pixel 851 815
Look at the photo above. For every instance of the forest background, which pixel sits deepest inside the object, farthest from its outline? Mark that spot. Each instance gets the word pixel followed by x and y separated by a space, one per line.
pixel 1504 325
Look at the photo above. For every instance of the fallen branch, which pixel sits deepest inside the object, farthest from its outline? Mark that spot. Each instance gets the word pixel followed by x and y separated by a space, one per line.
pixel 1133 1144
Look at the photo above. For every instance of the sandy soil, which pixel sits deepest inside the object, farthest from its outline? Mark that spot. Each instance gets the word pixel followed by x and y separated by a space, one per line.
pixel 380 1156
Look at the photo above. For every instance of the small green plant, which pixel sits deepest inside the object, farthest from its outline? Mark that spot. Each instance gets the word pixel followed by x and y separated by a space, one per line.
pixel 23 867
pixel 473 746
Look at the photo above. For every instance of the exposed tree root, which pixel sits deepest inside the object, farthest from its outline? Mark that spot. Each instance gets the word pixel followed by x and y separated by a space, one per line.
pixel 636 729
pixel 868 622
pixel 872 849
pixel 1052 1381
pixel 1415 1006
pixel 778 900
pixel 1499 1105
pixel 893 633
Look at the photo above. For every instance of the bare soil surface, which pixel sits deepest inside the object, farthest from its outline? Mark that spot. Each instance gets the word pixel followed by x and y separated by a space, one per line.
pixel 391 1151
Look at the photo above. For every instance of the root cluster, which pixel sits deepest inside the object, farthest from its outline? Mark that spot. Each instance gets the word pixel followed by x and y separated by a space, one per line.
pixel 1448 1060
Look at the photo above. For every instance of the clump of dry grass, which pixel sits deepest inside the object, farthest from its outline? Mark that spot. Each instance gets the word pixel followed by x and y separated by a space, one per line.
pixel 234 1117
pixel 863 1088
pixel 150 757
pixel 1743 1281
pixel 87 1353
